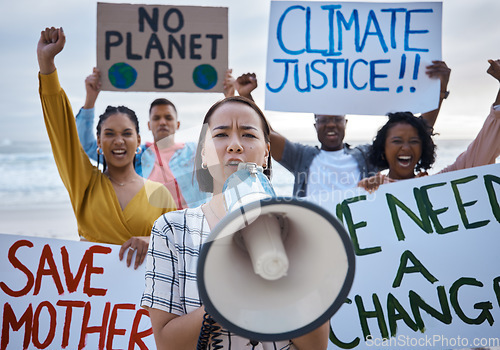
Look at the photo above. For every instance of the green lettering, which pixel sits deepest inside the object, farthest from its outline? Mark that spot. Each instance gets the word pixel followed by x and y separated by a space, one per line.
pixel 341 344
pixel 496 288
pixel 418 303
pixel 433 214
pixel 338 213
pixel 352 227
pixel 488 182
pixel 336 341
pixel 364 315
pixel 484 306
pixel 423 222
pixel 417 267
pixel 461 205
pixel 394 305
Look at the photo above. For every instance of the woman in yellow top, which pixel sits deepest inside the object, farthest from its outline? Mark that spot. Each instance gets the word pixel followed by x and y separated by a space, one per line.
pixel 116 206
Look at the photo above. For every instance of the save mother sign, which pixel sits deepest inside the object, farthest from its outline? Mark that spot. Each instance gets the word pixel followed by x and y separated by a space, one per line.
pixel 352 58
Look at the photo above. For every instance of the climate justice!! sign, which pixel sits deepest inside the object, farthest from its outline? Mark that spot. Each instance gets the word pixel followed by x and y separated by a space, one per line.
pixel 427 263
pixel 58 294
pixel 352 57
pixel 162 48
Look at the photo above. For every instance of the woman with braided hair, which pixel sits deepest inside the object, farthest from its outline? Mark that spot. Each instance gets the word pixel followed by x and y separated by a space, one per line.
pixel 115 205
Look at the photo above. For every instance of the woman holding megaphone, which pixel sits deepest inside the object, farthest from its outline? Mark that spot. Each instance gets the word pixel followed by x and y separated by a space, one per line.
pixel 235 131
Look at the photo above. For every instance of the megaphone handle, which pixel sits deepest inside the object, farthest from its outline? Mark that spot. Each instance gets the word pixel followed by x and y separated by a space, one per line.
pixel 208 328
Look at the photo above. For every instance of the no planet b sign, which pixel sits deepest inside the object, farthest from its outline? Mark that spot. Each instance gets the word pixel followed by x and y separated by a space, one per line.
pixel 162 48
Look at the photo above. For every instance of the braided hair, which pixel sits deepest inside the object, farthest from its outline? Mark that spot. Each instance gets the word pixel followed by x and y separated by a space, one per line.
pixel 111 110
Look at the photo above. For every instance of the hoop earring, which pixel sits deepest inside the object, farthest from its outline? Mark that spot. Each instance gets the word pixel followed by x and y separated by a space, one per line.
pixel 264 167
pixel 138 150
pixel 204 166
pixel 99 151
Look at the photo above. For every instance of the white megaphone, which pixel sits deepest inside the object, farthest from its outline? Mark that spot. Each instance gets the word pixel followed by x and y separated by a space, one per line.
pixel 274 268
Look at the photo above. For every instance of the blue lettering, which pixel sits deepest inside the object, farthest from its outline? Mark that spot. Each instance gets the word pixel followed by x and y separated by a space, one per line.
pixel 308 34
pixel 347 25
pixel 331 39
pixel 308 79
pixel 323 75
pixel 416 66
pixel 352 73
pixel 334 62
pixel 402 69
pixel 374 76
pixel 393 24
pixel 285 77
pixel 378 32
pixel 408 31
pixel 280 29
pixel 346 71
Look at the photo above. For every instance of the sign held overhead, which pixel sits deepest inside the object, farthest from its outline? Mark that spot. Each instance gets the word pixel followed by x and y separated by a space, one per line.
pixel 352 57
pixel 162 48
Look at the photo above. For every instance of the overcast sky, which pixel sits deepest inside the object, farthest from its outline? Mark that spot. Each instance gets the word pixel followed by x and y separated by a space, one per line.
pixel 471 35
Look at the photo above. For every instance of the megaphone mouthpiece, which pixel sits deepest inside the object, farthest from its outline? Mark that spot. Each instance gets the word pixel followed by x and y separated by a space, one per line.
pixel 264 243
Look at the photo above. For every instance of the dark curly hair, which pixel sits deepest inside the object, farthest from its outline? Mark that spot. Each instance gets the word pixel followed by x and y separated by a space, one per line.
pixel 205 180
pixel 111 110
pixel 377 150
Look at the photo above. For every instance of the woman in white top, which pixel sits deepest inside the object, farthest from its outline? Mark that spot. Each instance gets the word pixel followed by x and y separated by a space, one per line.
pixel 235 130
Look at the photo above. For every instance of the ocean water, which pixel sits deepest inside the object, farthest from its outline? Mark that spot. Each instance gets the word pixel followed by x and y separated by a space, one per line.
pixel 29 176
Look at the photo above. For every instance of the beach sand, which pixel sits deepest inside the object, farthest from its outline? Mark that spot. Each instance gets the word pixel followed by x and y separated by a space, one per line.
pixel 48 220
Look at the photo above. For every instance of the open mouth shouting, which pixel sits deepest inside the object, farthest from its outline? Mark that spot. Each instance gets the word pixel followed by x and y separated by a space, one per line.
pixel 405 161
pixel 119 153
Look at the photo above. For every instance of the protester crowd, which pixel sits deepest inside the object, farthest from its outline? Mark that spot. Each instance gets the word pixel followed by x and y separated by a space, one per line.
pixel 161 200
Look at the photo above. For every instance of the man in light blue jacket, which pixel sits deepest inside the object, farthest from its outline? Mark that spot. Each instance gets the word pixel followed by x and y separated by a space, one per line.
pixel 164 160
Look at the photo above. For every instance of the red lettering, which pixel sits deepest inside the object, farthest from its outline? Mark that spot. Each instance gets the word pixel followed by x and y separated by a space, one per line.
pixel 135 336
pixel 18 265
pixel 71 282
pixel 95 329
pixel 48 257
pixel 9 319
pixel 69 304
pixel 36 325
pixel 112 331
pixel 88 259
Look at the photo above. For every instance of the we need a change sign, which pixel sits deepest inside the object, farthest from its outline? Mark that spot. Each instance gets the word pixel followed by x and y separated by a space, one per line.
pixel 427 264
pixel 352 57
pixel 162 48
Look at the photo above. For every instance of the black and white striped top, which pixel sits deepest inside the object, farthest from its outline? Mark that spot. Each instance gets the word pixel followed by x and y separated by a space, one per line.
pixel 171 265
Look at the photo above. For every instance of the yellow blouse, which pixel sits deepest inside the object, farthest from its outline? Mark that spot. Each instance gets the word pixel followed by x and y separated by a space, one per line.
pixel 97 210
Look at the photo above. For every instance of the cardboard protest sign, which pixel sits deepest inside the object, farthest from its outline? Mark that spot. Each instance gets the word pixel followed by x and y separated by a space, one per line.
pixel 162 48
pixel 58 294
pixel 352 57
pixel 427 264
